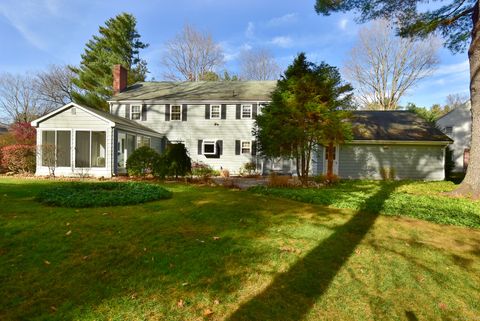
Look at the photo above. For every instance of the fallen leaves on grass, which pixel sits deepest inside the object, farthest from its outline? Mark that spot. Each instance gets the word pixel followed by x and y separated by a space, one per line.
pixel 180 303
pixel 68 233
pixel 207 312
pixel 290 249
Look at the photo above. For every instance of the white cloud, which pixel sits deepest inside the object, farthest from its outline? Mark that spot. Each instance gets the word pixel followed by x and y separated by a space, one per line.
pixel 287 18
pixel 448 70
pixel 342 24
pixel 282 41
pixel 23 15
pixel 250 31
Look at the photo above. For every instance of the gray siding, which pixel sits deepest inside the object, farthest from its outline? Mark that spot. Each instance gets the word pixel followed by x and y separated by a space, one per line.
pixel 460 119
pixel 81 120
pixel 409 161
pixel 198 128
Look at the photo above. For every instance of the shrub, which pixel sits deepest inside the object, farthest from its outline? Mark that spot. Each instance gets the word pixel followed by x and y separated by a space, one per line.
pixel 202 171
pixel 19 158
pixel 24 133
pixel 249 168
pixel 275 180
pixel 177 161
pixel 102 194
pixel 143 161
pixel 326 179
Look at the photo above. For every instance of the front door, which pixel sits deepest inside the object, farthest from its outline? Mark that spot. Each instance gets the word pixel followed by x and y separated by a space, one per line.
pixel 336 149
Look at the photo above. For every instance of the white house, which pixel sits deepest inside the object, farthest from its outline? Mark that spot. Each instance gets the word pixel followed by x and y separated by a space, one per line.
pixel 215 121
pixel 457 124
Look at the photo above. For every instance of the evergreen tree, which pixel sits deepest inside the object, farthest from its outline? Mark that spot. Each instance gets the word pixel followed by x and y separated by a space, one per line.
pixel 307 110
pixel 118 42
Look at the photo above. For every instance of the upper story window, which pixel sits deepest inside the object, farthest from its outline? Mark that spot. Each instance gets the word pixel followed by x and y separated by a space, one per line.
pixel 449 130
pixel 136 112
pixel 175 112
pixel 215 112
pixel 246 111
pixel 144 141
pixel 246 147
pixel 209 147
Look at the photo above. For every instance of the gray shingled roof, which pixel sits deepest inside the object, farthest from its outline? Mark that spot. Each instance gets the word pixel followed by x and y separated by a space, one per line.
pixel 202 90
pixel 394 125
pixel 3 128
pixel 120 120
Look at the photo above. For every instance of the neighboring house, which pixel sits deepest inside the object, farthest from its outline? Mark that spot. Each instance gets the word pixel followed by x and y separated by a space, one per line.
pixel 3 128
pixel 457 124
pixel 215 121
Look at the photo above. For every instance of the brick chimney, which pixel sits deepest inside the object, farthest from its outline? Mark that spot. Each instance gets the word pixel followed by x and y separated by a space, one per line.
pixel 119 79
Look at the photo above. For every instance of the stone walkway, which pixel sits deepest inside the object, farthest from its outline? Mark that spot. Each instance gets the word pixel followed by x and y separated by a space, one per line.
pixel 240 182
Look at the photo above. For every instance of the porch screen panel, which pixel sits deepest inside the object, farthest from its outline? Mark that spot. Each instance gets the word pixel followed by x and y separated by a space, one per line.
pixel 63 149
pixel 82 149
pixel 48 148
pixel 99 143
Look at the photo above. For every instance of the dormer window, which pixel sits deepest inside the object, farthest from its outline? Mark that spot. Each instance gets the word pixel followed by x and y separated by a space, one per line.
pixel 136 112
pixel 246 111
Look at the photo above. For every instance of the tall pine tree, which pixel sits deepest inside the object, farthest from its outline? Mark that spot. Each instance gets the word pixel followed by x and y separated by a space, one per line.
pixel 308 109
pixel 118 42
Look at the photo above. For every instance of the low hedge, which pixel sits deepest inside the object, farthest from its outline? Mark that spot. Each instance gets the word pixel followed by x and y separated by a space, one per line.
pixel 81 195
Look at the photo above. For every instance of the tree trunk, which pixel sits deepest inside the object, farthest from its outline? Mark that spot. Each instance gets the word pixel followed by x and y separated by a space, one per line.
pixel 471 182
pixel 330 159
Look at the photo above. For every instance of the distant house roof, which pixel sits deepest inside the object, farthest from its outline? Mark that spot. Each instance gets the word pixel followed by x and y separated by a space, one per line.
pixel 115 120
pixel 202 90
pixel 3 128
pixel 394 126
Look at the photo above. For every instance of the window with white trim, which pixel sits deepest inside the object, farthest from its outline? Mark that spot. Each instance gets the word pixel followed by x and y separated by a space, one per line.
pixel 246 111
pixel 215 112
pixel 209 147
pixel 246 147
pixel 175 112
pixel 136 112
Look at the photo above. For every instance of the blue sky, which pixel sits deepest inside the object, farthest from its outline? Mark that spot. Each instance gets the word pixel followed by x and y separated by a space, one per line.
pixel 35 33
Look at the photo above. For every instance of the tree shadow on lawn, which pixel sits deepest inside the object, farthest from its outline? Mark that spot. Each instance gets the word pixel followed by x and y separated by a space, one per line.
pixel 292 294
pixel 163 249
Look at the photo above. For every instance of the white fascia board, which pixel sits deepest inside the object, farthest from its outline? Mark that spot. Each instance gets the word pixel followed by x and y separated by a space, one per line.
pixel 63 108
pixel 397 142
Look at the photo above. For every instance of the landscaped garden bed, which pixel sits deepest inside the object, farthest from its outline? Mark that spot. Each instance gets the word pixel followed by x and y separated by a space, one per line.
pixel 81 194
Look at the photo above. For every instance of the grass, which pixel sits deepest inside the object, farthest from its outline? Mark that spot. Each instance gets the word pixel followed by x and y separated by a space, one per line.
pixel 218 254
pixel 423 200
pixel 82 195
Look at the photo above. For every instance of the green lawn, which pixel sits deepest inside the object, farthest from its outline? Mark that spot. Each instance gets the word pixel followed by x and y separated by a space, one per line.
pixel 219 254
pixel 423 200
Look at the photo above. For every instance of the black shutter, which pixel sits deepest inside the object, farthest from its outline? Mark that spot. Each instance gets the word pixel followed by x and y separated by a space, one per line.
pixel 200 142
pixel 237 147
pixel 238 111
pixel 144 112
pixel 220 147
pixel 254 147
pixel 207 111
pixel 184 112
pixel 224 111
pixel 254 110
pixel 167 112
pixel 127 111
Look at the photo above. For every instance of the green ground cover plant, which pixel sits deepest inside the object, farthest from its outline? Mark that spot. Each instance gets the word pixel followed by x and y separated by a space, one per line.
pixel 423 200
pixel 82 194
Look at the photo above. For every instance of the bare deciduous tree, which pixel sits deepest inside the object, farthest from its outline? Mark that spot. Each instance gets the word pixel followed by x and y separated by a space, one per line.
pixel 191 55
pixel 383 67
pixel 456 100
pixel 19 99
pixel 55 86
pixel 258 64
